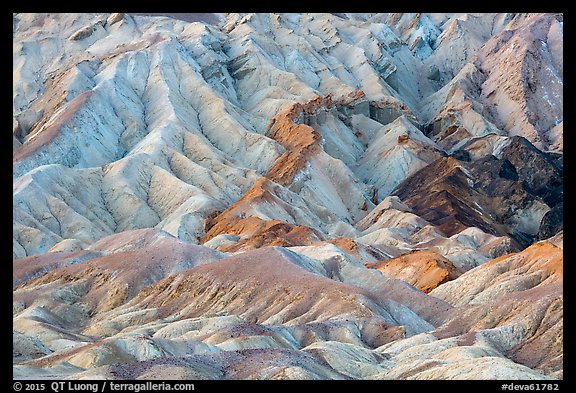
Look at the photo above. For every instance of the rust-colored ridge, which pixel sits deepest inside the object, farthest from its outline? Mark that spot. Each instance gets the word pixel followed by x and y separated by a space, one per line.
pixel 300 140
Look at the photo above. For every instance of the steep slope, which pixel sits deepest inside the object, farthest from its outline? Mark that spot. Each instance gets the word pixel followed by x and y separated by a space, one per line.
pixel 497 90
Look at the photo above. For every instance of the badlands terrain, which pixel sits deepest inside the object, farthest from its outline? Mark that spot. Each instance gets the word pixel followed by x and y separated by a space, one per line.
pixel 288 196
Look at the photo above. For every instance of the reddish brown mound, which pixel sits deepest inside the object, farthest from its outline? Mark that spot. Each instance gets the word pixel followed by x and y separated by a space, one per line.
pixel 440 194
pixel 257 232
pixel 423 269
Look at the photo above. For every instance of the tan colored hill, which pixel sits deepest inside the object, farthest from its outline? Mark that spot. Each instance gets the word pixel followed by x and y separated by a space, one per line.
pixel 424 269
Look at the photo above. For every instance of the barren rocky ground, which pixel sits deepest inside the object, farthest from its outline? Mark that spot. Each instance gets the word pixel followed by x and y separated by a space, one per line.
pixel 288 196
